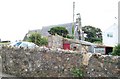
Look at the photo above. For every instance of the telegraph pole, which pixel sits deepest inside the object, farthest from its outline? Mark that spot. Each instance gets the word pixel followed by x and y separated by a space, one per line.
pixel 73 25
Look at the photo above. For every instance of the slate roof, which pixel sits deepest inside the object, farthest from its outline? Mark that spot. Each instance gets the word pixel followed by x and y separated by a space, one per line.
pixel 45 29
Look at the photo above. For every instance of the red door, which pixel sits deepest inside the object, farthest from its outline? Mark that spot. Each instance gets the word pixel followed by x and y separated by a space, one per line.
pixel 66 46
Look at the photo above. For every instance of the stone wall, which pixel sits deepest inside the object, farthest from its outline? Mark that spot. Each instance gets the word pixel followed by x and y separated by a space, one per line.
pixel 55 41
pixel 46 62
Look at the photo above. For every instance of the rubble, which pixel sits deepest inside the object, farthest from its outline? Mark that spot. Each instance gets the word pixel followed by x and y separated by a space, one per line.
pixel 49 62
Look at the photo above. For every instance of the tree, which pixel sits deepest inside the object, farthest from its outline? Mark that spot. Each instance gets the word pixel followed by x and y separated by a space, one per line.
pixel 44 41
pixel 37 39
pixel 62 31
pixel 92 34
pixel 116 50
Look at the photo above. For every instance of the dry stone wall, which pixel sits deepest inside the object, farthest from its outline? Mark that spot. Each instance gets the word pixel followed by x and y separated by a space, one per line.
pixel 47 62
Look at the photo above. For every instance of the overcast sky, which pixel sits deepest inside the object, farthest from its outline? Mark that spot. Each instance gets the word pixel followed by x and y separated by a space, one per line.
pixel 19 16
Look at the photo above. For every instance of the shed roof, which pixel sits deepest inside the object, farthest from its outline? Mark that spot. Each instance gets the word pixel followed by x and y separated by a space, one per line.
pixel 80 42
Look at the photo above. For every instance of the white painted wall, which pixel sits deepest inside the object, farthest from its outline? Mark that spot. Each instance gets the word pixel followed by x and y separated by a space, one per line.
pixel 110 36
pixel 119 22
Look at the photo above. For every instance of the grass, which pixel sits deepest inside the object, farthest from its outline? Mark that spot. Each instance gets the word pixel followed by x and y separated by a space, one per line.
pixel 4 43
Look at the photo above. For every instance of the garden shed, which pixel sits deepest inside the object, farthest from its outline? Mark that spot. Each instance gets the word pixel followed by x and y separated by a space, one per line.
pixel 56 41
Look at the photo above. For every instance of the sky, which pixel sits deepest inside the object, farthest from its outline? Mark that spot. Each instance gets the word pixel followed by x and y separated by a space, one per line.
pixel 17 17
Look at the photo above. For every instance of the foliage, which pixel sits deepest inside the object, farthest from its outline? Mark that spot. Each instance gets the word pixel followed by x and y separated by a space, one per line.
pixel 44 41
pixel 62 31
pixel 77 72
pixel 37 39
pixel 116 50
pixel 72 29
pixel 92 34
pixel 70 37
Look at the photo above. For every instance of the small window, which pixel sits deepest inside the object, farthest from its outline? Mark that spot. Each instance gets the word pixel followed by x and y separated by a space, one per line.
pixel 107 35
pixel 110 35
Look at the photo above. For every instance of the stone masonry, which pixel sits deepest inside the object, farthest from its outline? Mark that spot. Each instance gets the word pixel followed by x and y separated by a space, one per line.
pixel 48 62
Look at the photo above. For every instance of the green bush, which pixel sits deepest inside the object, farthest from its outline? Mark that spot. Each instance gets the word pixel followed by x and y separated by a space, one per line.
pixel 77 72
pixel 37 39
pixel 44 41
pixel 116 50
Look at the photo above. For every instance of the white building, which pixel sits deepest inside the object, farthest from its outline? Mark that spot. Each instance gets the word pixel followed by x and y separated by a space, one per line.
pixel 111 35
